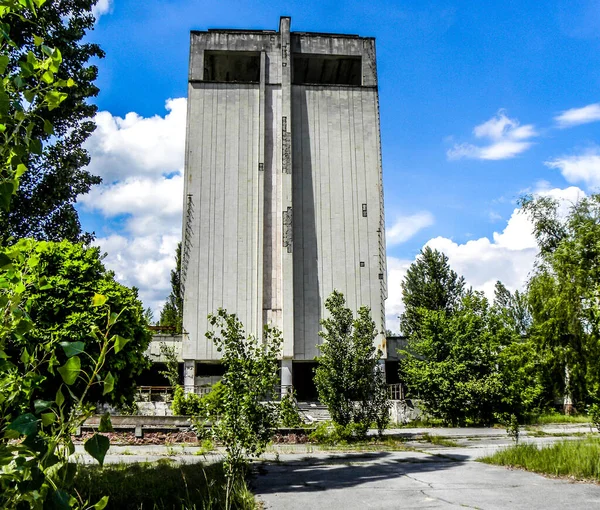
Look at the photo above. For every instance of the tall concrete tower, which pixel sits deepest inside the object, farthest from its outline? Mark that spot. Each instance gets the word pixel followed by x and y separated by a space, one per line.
pixel 283 188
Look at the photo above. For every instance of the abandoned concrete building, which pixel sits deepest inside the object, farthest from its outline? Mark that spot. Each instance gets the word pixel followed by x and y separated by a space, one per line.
pixel 283 199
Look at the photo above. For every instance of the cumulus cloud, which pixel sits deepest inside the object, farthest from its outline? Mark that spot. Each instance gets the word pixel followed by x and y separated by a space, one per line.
pixel 149 204
pixel 505 138
pixel 508 256
pixel 102 7
pixel 581 168
pixel 138 146
pixel 141 162
pixel 406 227
pixel 577 116
pixel 144 262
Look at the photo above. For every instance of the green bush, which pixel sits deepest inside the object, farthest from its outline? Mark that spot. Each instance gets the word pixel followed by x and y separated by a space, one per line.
pixel 210 406
pixel 105 423
pixel 184 404
pixel 289 415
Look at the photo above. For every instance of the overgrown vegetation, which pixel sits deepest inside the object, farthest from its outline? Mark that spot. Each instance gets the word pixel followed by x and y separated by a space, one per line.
pixel 251 372
pixel 162 486
pixel 43 57
pixel 172 313
pixel 573 458
pixel 348 377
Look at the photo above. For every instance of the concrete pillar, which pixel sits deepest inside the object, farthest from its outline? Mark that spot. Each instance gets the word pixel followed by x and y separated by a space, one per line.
pixel 286 376
pixel 189 375
pixel 286 215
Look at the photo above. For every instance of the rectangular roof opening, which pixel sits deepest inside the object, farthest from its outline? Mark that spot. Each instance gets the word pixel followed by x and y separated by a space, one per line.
pixel 327 70
pixel 232 66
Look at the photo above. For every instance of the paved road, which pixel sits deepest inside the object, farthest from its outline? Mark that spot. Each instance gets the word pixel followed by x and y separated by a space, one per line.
pixel 431 478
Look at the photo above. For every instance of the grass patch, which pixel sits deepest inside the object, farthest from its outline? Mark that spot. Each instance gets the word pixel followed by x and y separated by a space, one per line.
pixel 550 418
pixel 440 440
pixel 372 444
pixel 160 485
pixel 578 459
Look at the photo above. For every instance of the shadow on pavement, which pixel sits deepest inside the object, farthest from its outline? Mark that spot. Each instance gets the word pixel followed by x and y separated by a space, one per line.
pixel 342 471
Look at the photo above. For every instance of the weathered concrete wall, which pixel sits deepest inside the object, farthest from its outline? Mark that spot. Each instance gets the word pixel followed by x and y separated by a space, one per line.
pixel 276 176
pixel 222 178
pixel 336 176
pixel 153 351
pixel 404 411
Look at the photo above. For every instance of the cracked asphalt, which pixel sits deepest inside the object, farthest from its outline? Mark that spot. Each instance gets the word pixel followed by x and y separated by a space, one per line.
pixel 430 478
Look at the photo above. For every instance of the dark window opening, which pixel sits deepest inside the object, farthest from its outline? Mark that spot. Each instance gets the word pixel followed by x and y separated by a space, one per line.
pixel 303 381
pixel 364 210
pixel 327 70
pixel 209 369
pixel 232 66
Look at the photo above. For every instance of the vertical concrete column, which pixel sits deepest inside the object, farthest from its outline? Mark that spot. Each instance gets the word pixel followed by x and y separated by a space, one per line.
pixel 260 193
pixel 287 215
pixel 286 376
pixel 189 375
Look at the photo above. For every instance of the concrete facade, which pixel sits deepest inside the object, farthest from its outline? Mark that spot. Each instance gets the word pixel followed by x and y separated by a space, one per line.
pixel 283 199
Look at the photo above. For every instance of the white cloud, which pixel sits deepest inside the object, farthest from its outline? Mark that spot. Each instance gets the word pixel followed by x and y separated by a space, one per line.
pixel 506 139
pixel 577 116
pixel 136 145
pixel 102 7
pixel 144 262
pixel 582 168
pixel 508 256
pixel 151 204
pixel 141 161
pixel 406 227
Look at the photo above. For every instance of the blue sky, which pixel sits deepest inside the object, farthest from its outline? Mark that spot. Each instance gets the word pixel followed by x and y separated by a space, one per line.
pixel 480 102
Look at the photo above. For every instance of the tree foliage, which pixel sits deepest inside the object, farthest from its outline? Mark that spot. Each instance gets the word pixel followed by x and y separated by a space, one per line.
pixel 451 364
pixel 564 290
pixel 47 62
pixel 429 284
pixel 68 275
pixel 251 374
pixel 172 312
pixel 348 377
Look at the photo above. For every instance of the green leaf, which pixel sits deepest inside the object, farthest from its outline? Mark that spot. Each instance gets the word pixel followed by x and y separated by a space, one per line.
pixel 24 356
pixel 5 260
pixel 60 398
pixel 2 128
pixel 120 342
pixel 101 505
pixel 48 419
pixel 109 384
pixel 48 77
pixel 72 348
pixel 62 500
pixel 97 446
pixel 38 41
pixel 3 63
pixel 41 405
pixel 113 318
pixel 26 424
pixel 48 128
pixel 70 370
pixel 99 300
pixel 21 168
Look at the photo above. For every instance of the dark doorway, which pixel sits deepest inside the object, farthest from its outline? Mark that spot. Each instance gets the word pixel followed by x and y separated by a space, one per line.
pixel 303 380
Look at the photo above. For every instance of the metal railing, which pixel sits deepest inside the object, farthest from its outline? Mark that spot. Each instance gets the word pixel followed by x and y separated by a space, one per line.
pixel 396 391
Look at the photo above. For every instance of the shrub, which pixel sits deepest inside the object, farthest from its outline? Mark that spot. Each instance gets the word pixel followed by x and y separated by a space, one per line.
pixel 289 415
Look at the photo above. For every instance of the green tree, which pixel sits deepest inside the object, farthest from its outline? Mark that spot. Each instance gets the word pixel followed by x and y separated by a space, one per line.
pixel 71 275
pixel 527 371
pixel 43 206
pixel 564 291
pixel 348 377
pixel 429 285
pixel 451 364
pixel 172 312
pixel 251 374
